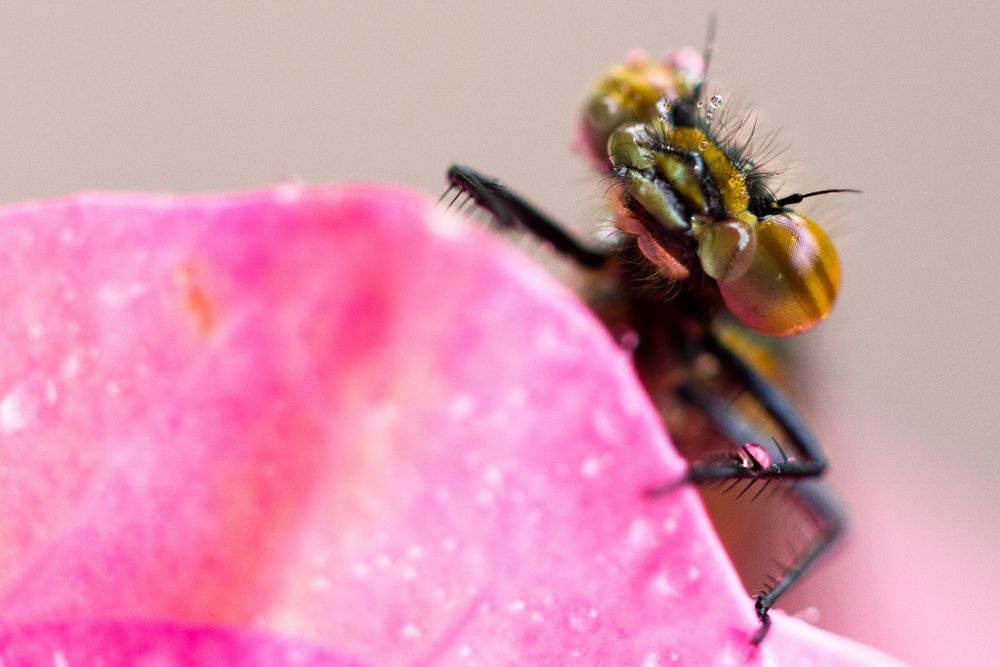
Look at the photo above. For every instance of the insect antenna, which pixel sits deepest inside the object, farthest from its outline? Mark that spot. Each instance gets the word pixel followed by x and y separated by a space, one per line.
pixel 797 197
pixel 706 53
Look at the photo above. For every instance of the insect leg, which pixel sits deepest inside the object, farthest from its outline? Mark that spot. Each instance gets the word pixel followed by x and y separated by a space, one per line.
pixel 514 212
pixel 829 519
pixel 717 407
pixel 811 498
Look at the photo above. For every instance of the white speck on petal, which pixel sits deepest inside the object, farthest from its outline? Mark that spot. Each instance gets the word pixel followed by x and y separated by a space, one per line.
pixel 590 467
pixel 320 584
pixel 640 534
pixel 51 391
pixel 661 584
pixel 13 411
pixel 492 476
pixel 460 407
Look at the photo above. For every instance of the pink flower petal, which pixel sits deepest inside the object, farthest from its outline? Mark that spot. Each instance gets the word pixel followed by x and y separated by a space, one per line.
pixel 156 645
pixel 344 416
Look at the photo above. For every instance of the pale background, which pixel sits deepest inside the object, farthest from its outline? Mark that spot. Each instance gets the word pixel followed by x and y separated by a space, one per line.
pixel 898 99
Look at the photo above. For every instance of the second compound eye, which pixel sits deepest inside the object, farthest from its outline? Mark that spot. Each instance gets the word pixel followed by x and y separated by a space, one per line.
pixel 792 280
pixel 726 249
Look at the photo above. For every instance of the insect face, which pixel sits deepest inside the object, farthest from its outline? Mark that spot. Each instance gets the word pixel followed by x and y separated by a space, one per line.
pixel 696 210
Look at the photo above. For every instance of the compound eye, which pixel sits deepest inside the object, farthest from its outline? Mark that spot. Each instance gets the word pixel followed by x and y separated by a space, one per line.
pixel 792 280
pixel 726 249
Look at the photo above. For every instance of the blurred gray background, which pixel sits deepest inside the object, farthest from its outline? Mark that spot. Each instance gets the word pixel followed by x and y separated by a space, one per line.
pixel 897 99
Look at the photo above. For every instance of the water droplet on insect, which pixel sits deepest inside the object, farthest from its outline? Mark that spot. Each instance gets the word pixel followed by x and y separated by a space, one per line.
pixel 702 146
pixel 663 107
pixel 716 101
pixel 753 456
pixel 700 105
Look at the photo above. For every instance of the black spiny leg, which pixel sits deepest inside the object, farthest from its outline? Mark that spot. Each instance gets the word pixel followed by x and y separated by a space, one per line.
pixel 828 517
pixel 514 212
pixel 812 499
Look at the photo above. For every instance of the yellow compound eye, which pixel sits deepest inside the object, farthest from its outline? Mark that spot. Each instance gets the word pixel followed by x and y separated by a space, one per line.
pixel 792 281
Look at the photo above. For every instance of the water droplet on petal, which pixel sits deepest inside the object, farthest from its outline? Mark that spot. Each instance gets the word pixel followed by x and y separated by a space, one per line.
pixel 582 619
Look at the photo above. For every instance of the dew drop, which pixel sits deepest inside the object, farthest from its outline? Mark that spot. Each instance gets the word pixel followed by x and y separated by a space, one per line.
pixel 516 607
pixel 661 585
pixel 13 412
pixel 410 631
pixel 583 619
pixel 629 340
pixel 492 476
pixel 320 584
pixel 716 101
pixel 810 615
pixel 753 456
pixel 460 407
pixel 663 107
pixel 590 467
pixel 702 146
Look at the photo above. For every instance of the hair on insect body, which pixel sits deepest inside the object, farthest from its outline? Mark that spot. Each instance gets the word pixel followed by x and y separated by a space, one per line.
pixel 707 265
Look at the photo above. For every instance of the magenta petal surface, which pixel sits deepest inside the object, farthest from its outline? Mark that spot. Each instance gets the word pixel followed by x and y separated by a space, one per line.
pixel 156 645
pixel 342 415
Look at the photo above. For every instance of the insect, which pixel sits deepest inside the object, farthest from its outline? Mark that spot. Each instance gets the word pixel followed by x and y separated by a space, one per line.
pixel 706 256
